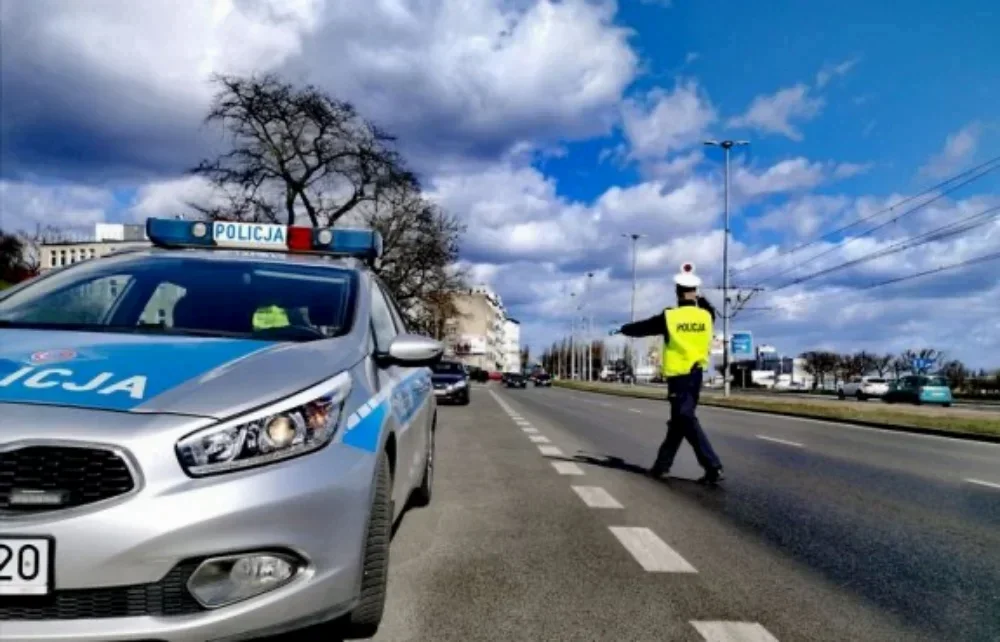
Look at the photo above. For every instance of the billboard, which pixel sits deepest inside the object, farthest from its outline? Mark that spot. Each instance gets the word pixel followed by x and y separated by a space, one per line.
pixel 717 343
pixel 766 349
pixel 741 345
pixel 469 344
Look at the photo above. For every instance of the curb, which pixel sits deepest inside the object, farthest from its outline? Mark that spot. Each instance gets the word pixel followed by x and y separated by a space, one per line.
pixel 913 430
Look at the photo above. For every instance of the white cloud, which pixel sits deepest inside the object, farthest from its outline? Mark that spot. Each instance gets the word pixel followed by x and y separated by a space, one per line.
pixel 25 206
pixel 662 122
pixel 795 174
pixel 849 170
pixel 804 216
pixel 778 113
pixel 829 72
pixel 958 148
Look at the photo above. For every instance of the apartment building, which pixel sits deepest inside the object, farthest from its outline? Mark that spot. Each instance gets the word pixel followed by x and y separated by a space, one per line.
pixel 478 335
pixel 512 346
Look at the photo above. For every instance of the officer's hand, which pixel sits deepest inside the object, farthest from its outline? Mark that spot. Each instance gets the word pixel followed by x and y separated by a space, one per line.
pixel 614 332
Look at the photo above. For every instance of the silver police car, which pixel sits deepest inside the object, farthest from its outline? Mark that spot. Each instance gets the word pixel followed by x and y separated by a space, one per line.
pixel 209 439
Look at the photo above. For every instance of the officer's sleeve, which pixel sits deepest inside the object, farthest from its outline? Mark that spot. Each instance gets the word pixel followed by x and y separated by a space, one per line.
pixel 655 325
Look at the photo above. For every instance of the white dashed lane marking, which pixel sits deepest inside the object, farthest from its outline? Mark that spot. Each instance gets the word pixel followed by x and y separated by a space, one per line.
pixel 551 451
pixel 636 410
pixel 539 439
pixel 596 497
pixel 780 441
pixel 652 553
pixel 980 482
pixel 530 430
pixel 733 632
pixel 567 468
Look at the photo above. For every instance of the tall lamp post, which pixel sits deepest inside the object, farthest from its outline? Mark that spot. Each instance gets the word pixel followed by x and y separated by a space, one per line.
pixel 631 343
pixel 726 145
pixel 572 338
pixel 590 328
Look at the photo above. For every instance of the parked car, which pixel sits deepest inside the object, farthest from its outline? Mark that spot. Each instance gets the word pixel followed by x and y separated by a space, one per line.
pixel 919 389
pixel 863 388
pixel 495 376
pixel 451 382
pixel 478 374
pixel 516 380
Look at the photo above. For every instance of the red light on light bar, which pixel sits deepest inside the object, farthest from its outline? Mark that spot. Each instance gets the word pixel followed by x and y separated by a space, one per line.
pixel 687 267
pixel 300 239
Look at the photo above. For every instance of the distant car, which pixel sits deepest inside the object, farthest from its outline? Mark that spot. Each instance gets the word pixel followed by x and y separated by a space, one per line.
pixel 516 380
pixel 495 376
pixel 478 374
pixel 543 381
pixel 919 389
pixel 451 382
pixel 863 388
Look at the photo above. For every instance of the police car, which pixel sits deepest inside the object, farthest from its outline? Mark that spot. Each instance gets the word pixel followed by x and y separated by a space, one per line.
pixel 208 439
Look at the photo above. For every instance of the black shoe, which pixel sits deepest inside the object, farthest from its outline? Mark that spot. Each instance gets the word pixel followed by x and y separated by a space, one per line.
pixel 657 471
pixel 712 476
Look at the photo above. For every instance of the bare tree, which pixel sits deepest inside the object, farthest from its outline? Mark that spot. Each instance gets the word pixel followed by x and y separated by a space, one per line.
pixel 882 364
pixel 297 150
pixel 956 373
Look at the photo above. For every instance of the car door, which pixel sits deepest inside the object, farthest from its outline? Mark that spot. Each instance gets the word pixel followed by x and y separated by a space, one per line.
pixel 418 386
pixel 391 377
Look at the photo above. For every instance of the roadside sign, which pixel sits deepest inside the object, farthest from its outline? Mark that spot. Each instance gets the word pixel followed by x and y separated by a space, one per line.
pixel 717 344
pixel 741 345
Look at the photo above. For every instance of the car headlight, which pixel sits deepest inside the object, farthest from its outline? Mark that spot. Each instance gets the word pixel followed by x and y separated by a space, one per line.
pixel 459 384
pixel 300 424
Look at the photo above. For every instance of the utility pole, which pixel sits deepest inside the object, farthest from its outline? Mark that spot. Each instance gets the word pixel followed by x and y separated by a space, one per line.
pixel 630 362
pixel 572 339
pixel 590 328
pixel 726 145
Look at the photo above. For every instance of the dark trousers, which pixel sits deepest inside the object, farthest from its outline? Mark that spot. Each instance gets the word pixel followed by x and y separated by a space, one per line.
pixel 683 393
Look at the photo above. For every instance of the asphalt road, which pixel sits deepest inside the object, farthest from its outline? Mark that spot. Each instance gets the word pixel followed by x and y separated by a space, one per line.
pixel 832 533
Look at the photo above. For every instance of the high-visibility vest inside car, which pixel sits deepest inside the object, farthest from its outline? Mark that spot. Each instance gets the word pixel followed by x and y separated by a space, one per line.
pixel 689 329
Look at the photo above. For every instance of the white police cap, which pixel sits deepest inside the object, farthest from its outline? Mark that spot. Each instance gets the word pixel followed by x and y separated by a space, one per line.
pixel 686 278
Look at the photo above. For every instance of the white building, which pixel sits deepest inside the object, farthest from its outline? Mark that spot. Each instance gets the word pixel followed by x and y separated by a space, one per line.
pixel 108 237
pixel 477 336
pixel 512 346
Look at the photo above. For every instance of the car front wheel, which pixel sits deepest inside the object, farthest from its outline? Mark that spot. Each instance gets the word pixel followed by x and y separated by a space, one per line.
pixel 364 620
pixel 422 496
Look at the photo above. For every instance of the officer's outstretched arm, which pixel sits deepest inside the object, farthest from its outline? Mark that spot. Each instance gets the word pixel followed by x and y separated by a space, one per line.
pixel 653 326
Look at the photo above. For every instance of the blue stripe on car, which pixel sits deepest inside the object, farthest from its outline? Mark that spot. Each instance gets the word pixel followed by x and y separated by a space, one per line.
pixel 118 374
pixel 363 429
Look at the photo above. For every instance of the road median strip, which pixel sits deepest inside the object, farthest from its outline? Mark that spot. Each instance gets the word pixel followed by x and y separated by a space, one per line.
pixel 875 414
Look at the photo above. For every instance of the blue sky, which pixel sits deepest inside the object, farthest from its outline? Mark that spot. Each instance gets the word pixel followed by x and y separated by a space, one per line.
pixel 553 127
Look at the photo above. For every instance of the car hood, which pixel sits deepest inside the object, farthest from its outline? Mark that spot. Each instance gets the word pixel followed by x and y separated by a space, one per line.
pixel 209 377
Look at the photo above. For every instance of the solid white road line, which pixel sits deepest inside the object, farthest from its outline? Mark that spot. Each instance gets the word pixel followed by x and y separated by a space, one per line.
pixel 733 632
pixel 987 484
pixel 551 451
pixel 540 439
pixel 596 497
pixel 567 468
pixel 780 441
pixel 652 553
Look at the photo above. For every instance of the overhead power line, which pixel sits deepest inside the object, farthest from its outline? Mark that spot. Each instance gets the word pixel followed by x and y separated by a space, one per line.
pixel 972 174
pixel 945 231
pixel 979 259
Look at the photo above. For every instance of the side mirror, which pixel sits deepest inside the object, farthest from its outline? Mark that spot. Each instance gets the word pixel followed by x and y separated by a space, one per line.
pixel 412 351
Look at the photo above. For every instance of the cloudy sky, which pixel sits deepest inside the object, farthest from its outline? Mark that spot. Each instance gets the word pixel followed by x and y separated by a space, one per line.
pixel 552 128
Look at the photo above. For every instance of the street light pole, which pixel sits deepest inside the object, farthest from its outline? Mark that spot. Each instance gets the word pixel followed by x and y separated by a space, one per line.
pixel 572 339
pixel 631 343
pixel 726 145
pixel 590 328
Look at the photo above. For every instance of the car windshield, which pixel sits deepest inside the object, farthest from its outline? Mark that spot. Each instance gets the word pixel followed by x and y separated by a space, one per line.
pixel 189 295
pixel 446 367
pixel 935 381
pixel 876 380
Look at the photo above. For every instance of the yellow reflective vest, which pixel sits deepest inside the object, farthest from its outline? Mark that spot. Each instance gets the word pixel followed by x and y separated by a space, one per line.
pixel 270 316
pixel 689 342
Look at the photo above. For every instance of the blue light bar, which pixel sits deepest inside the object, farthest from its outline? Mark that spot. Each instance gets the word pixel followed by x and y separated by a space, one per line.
pixel 174 233
pixel 363 244
pixel 165 232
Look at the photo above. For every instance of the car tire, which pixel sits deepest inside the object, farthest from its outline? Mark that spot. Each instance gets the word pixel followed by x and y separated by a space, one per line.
pixel 860 396
pixel 422 495
pixel 465 399
pixel 364 620
pixel 841 395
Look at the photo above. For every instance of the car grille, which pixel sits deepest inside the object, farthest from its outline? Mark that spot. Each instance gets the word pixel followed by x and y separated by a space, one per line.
pixel 85 475
pixel 169 596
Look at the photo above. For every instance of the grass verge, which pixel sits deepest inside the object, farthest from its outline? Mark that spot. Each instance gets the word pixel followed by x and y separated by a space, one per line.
pixel 876 414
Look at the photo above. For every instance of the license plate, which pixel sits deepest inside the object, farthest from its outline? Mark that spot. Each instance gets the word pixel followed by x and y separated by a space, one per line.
pixel 439 392
pixel 25 565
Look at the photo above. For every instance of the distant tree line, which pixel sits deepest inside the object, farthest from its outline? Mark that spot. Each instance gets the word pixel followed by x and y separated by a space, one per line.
pixel 826 366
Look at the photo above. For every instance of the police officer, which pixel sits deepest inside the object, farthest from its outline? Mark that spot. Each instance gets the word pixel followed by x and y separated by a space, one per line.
pixel 687 334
